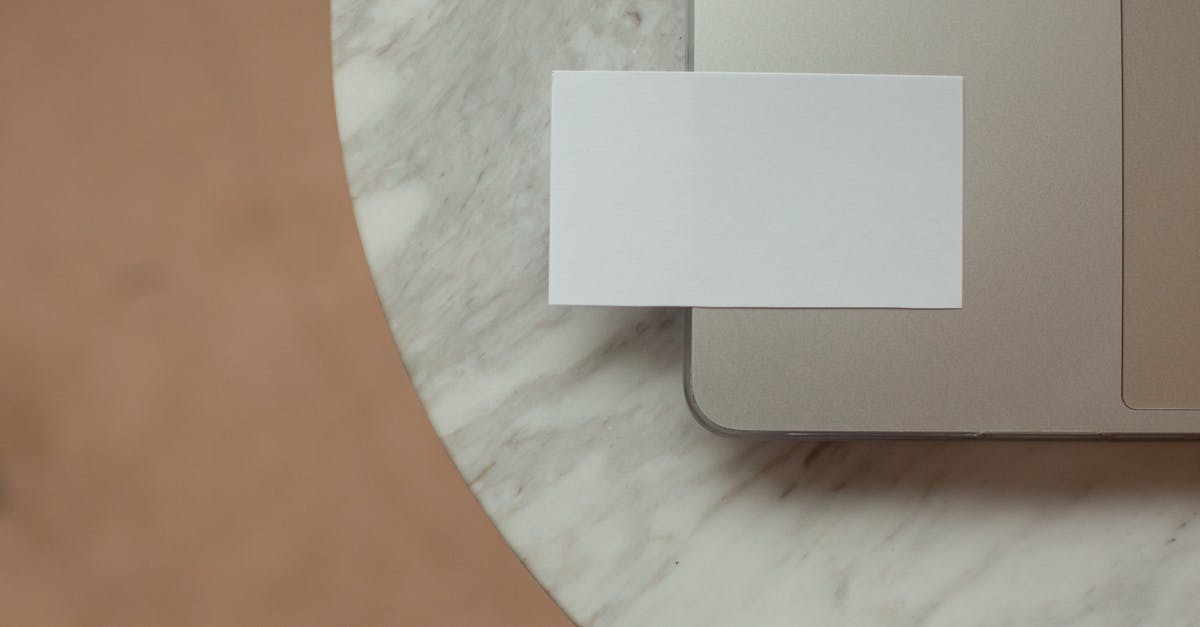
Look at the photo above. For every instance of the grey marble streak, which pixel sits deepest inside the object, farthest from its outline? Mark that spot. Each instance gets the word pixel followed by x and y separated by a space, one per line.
pixel 570 423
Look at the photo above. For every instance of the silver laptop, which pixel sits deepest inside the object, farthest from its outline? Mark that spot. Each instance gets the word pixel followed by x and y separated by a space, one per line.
pixel 1081 310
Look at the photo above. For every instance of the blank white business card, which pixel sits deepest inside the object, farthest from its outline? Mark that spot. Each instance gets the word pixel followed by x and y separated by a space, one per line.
pixel 702 189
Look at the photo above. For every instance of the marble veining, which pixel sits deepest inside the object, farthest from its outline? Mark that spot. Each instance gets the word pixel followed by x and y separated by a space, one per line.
pixel 570 423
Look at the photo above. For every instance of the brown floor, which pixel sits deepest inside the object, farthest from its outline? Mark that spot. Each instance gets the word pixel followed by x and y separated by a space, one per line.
pixel 203 419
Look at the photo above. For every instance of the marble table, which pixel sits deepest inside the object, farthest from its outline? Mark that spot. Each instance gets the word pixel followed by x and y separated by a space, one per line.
pixel 570 424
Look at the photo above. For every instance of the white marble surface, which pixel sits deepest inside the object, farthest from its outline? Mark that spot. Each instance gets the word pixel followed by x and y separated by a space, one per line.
pixel 570 423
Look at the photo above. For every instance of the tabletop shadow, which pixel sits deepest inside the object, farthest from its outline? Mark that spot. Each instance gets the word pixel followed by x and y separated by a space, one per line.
pixel 1013 469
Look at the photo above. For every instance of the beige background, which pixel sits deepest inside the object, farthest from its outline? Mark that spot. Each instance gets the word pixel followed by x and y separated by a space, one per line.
pixel 203 419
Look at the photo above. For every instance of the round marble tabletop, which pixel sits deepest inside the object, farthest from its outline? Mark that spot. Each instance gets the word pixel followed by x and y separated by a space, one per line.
pixel 570 424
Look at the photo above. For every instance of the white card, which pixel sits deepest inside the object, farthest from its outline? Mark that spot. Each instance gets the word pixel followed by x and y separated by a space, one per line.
pixel 756 190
